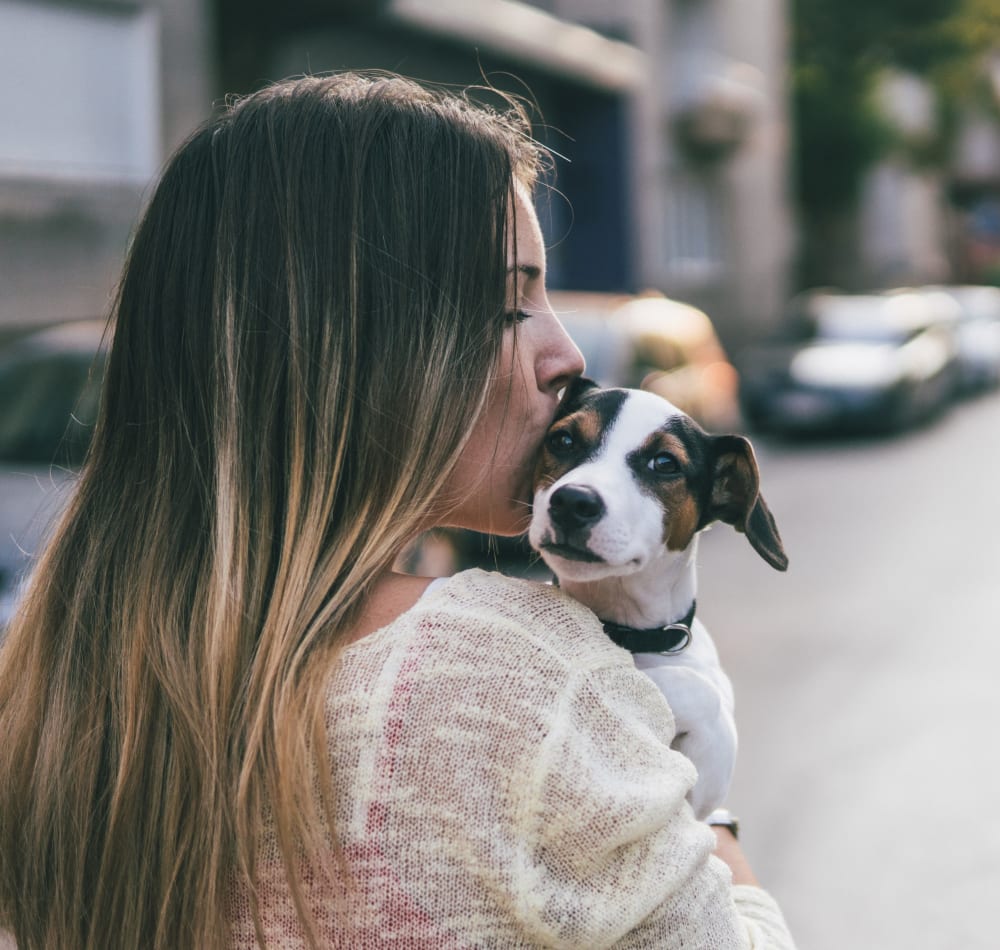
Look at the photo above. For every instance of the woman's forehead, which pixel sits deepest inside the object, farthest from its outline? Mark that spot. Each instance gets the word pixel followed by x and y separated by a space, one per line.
pixel 530 249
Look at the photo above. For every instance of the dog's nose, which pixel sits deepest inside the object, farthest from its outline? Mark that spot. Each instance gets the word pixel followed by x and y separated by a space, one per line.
pixel 574 506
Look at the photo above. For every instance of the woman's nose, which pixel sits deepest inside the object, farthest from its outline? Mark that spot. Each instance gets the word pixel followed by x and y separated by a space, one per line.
pixel 563 362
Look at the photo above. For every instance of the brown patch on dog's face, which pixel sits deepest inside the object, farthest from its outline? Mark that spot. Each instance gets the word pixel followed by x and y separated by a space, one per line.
pixel 681 523
pixel 668 453
pixel 582 429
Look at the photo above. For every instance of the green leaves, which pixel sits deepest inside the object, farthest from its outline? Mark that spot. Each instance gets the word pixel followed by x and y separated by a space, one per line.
pixel 840 50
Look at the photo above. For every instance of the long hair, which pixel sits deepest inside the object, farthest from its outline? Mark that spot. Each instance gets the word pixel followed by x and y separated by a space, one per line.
pixel 308 319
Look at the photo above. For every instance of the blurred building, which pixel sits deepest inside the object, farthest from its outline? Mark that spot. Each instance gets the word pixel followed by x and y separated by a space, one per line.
pixel 669 116
pixel 974 189
pixel 711 185
pixel 925 217
pixel 902 221
pixel 94 93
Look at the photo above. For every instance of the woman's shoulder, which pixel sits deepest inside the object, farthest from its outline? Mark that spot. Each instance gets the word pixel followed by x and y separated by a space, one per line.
pixel 486 641
pixel 513 596
pixel 519 614
pixel 479 616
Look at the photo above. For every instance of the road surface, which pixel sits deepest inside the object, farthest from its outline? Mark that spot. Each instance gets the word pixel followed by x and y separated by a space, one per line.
pixel 868 685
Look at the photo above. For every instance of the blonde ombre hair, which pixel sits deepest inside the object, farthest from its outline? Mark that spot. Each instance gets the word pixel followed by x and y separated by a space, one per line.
pixel 308 320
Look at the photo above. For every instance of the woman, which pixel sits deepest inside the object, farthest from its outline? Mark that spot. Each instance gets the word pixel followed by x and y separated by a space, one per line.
pixel 226 721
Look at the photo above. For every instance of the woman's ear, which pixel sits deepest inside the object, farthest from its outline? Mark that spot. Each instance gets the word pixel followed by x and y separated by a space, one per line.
pixel 736 498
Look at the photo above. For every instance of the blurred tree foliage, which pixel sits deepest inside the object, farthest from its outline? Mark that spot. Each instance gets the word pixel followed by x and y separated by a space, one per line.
pixel 840 47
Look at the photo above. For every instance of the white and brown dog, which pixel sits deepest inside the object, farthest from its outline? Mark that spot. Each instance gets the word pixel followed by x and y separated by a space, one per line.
pixel 625 483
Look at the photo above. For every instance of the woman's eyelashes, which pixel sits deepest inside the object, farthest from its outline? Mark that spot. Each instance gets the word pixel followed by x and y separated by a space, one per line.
pixel 517 316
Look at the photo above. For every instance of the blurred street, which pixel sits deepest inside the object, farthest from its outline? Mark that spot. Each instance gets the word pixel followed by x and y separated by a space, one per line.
pixel 866 685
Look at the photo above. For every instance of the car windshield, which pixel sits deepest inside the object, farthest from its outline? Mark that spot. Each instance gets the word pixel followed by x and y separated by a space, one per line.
pixel 48 403
pixel 892 320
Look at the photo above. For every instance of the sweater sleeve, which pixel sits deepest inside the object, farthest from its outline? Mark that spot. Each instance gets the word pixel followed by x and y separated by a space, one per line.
pixel 615 856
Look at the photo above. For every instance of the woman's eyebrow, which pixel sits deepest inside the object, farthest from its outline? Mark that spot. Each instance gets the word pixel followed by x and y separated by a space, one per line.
pixel 531 271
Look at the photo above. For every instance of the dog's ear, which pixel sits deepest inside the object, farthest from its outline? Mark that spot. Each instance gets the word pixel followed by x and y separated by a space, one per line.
pixel 736 498
pixel 573 394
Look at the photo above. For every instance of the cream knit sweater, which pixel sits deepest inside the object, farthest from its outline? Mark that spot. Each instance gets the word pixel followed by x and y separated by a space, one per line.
pixel 505 780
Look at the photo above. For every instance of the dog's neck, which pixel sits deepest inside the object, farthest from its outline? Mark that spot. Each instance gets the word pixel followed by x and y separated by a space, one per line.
pixel 661 593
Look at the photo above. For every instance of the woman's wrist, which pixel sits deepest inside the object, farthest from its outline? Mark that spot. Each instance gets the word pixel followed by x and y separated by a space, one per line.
pixel 728 849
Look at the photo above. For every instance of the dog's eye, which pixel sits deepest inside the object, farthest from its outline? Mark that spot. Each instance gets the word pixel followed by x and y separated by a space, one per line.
pixel 561 441
pixel 663 463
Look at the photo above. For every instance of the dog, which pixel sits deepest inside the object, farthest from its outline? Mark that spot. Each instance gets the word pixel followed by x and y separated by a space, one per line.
pixel 624 485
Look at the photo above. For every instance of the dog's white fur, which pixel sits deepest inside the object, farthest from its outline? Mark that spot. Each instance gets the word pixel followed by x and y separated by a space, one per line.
pixel 700 696
pixel 640 583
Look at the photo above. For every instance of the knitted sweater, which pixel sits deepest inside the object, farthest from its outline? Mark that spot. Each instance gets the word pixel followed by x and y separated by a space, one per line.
pixel 504 779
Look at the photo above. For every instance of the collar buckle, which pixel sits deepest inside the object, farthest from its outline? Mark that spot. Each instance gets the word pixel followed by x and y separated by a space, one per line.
pixel 682 643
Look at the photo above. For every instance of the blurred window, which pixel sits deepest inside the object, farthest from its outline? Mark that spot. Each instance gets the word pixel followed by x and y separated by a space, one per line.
pixel 80 90
pixel 694 228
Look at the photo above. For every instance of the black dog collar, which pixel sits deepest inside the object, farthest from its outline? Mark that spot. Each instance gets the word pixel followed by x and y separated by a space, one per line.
pixel 673 638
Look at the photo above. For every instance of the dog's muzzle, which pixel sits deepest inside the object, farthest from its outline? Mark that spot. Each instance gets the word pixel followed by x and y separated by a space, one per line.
pixel 573 508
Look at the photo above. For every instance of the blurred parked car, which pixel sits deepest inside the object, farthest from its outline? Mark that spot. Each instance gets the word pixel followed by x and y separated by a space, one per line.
pixel 652 342
pixel 852 362
pixel 49 391
pixel 978 333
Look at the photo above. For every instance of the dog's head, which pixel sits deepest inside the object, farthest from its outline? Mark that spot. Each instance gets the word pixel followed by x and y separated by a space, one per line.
pixel 624 477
